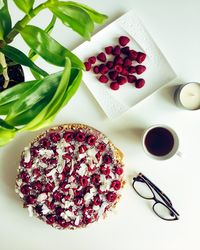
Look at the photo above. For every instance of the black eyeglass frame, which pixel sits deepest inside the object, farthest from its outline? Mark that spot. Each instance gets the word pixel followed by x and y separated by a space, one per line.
pixel 166 202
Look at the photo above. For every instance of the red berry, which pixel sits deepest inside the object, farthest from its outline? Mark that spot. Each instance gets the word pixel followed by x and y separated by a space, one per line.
pixel 140 83
pixel 103 69
pixel 96 69
pixel 118 60
pixel 110 64
pixel 101 147
pixel 113 75
pixel 108 50
pixel 125 50
pixel 107 159
pixel 103 79
pixel 91 140
pixel 124 72
pixel 68 136
pixel 114 85
pixel 111 196
pixel 131 69
pixel 119 170
pixel 118 68
pixel 123 40
pixel 140 69
pixel 127 62
pixel 105 170
pixel 80 137
pixel 131 78
pixel 95 179
pixel 116 185
pixel 116 50
pixel 84 181
pixel 87 66
pixel 97 200
pixel 121 80
pixel 132 55
pixel 92 59
pixel 101 57
pixel 140 57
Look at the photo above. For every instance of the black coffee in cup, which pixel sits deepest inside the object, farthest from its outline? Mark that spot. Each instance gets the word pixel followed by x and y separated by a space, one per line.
pixel 159 141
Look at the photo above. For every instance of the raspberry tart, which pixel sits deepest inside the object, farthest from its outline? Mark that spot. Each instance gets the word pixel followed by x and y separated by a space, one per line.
pixel 70 176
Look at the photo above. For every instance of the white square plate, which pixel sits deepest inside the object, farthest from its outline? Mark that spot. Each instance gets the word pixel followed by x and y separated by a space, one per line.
pixel 158 72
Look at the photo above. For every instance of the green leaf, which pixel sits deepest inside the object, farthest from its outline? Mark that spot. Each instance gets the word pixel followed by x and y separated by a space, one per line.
pixel 19 57
pixel 48 48
pixel 94 15
pixel 5 19
pixel 73 17
pixel 24 5
pixel 29 105
pixel 7 132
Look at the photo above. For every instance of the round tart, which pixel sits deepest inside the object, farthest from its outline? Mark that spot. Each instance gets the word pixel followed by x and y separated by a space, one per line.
pixel 70 176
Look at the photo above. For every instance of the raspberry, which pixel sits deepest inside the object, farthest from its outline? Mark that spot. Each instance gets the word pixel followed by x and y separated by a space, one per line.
pixel 121 80
pixel 107 159
pixel 109 50
pixel 68 136
pixel 87 66
pixel 101 147
pixel 96 69
pixel 116 185
pixel 127 62
pixel 92 59
pixel 119 170
pixel 116 50
pixel 118 68
pixel 103 69
pixel 118 60
pixel 91 140
pixel 103 79
pixel 101 57
pixel 124 72
pixel 125 50
pixel 84 181
pixel 132 55
pixel 95 179
pixel 110 64
pixel 105 170
pixel 131 69
pixel 30 199
pixel 123 40
pixel 80 137
pixel 140 83
pixel 114 85
pixel 97 200
pixel 140 69
pixel 131 78
pixel 113 75
pixel 140 57
pixel 25 189
pixel 111 196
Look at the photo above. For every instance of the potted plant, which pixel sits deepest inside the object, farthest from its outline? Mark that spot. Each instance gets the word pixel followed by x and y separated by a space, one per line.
pixel 34 104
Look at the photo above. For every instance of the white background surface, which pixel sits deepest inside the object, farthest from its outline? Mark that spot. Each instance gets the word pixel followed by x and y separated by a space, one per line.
pixel 175 26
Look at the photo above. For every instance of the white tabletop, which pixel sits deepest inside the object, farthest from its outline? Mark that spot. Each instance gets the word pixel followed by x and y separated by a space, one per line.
pixel 174 25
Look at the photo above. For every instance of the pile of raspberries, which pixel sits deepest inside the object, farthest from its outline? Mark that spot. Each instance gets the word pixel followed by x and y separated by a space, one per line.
pixel 119 64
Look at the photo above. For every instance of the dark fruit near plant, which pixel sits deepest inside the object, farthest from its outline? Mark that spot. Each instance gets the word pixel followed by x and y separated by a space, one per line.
pixel 109 50
pixel 103 69
pixel 103 79
pixel 127 62
pixel 114 85
pixel 87 66
pixel 140 83
pixel 113 75
pixel 118 68
pixel 118 60
pixel 141 57
pixel 110 64
pixel 123 40
pixel 15 74
pixel 101 57
pixel 140 69
pixel 132 70
pixel 125 50
pixel 96 69
pixel 92 59
pixel 133 55
pixel 121 80
pixel 131 78
pixel 116 50
pixel 124 72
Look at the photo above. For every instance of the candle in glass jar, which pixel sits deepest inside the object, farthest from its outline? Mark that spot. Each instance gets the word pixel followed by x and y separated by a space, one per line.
pixel 188 96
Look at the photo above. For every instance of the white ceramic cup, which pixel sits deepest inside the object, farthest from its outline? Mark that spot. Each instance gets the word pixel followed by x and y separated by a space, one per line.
pixel 174 149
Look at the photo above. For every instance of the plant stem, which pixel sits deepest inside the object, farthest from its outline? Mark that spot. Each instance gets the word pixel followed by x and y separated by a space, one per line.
pixel 5 70
pixel 24 21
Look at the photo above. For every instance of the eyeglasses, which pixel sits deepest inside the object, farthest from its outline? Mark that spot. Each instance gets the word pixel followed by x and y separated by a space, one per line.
pixel 162 207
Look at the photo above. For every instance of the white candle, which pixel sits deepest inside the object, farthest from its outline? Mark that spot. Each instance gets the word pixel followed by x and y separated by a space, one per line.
pixel 189 96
